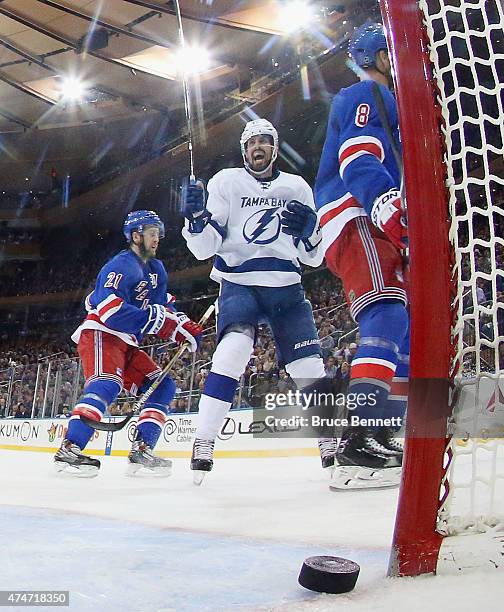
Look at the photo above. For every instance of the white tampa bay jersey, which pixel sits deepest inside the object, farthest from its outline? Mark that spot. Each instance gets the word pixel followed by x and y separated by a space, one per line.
pixel 245 230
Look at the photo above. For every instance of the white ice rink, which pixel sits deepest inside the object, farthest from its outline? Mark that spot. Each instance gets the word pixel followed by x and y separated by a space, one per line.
pixel 236 543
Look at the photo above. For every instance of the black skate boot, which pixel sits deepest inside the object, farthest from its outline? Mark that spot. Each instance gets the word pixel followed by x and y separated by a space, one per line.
pixel 202 459
pixel 71 460
pixel 327 449
pixel 141 456
pixel 364 463
pixel 386 437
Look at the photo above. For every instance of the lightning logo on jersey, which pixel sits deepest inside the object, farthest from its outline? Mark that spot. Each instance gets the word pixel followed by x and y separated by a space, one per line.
pixel 263 227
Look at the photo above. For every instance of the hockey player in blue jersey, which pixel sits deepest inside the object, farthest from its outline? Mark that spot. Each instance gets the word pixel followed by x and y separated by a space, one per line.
pixel 130 300
pixel 364 230
pixel 259 223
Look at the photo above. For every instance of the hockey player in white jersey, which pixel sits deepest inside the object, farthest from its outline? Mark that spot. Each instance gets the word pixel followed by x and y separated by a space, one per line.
pixel 259 223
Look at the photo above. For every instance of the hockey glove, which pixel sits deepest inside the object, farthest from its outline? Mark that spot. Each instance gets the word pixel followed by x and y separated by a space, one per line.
pixel 192 206
pixel 156 315
pixel 388 216
pixel 299 220
pixel 179 327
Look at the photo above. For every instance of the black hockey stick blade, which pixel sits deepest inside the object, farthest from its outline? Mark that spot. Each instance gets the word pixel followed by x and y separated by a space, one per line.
pixel 99 426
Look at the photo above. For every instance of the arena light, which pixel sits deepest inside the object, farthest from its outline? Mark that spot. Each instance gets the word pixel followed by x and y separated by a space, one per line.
pixel 296 15
pixel 72 89
pixel 192 59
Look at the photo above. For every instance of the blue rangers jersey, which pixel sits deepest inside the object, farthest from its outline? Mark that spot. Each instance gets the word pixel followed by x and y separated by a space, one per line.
pixel 245 230
pixel 357 163
pixel 124 288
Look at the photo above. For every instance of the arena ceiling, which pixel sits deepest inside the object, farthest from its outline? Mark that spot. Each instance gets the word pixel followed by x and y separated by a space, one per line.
pixel 126 53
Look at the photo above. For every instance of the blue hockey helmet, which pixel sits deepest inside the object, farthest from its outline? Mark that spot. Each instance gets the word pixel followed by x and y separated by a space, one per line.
pixel 137 220
pixel 365 44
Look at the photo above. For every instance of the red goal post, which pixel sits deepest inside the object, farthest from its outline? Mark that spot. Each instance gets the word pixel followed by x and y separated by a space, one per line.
pixel 439 204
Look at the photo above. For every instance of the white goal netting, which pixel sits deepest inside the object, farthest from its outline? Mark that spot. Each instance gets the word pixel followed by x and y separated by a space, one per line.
pixel 466 45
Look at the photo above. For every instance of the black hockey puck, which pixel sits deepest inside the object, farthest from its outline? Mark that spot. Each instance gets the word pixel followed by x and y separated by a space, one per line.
pixel 329 574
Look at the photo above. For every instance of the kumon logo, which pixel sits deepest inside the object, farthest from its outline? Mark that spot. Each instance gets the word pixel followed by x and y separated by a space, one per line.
pixel 22 431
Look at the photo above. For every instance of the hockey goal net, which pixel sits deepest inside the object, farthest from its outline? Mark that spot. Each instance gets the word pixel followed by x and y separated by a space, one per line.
pixel 448 58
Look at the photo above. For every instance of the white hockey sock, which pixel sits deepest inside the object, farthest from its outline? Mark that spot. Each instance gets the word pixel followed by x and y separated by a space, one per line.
pixel 212 413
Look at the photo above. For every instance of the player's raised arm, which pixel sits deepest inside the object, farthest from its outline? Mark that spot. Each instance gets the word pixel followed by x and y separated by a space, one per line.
pixel 205 218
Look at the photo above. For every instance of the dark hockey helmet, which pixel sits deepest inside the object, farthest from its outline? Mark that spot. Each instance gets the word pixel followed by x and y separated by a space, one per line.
pixel 137 220
pixel 365 44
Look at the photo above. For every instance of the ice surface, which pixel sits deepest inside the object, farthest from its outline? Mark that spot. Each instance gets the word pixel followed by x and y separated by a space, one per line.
pixel 236 543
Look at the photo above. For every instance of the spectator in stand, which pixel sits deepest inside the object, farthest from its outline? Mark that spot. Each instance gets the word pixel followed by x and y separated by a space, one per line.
pixel 269 362
pixel 65 412
pixel 326 342
pixel 22 411
pixel 480 291
pixel 285 382
pixel 330 367
pixel 350 353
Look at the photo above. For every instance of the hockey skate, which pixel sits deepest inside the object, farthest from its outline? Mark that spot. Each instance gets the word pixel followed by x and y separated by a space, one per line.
pixel 364 463
pixel 141 460
pixel 385 436
pixel 202 459
pixel 71 460
pixel 327 449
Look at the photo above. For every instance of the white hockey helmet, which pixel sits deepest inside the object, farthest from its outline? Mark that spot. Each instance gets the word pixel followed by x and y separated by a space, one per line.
pixel 259 127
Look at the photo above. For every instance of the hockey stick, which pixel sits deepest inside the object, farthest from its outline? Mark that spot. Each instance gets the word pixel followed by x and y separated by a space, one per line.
pixel 187 96
pixel 385 121
pixel 137 406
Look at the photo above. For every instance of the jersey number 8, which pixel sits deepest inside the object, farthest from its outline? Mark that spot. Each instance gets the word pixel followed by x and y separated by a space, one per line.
pixel 362 116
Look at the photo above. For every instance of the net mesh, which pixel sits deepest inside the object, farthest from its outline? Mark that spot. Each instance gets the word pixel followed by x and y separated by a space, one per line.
pixel 466 46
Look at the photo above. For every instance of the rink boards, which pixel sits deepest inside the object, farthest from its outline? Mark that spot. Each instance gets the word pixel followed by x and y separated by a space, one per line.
pixel 243 434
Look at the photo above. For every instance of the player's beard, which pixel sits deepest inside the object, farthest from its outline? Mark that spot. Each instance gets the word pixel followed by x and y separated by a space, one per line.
pixel 144 253
pixel 260 165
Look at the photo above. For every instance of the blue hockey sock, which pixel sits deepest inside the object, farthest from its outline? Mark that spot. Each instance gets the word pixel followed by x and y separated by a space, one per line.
pixel 214 404
pixel 366 399
pixel 398 397
pixel 153 415
pixel 383 327
pixel 150 425
pixel 78 432
pixel 97 395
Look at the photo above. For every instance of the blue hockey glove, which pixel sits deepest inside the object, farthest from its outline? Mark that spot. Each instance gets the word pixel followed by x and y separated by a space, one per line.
pixel 192 206
pixel 298 220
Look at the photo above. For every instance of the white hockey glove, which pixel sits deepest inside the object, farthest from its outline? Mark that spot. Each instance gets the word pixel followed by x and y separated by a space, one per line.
pixel 156 318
